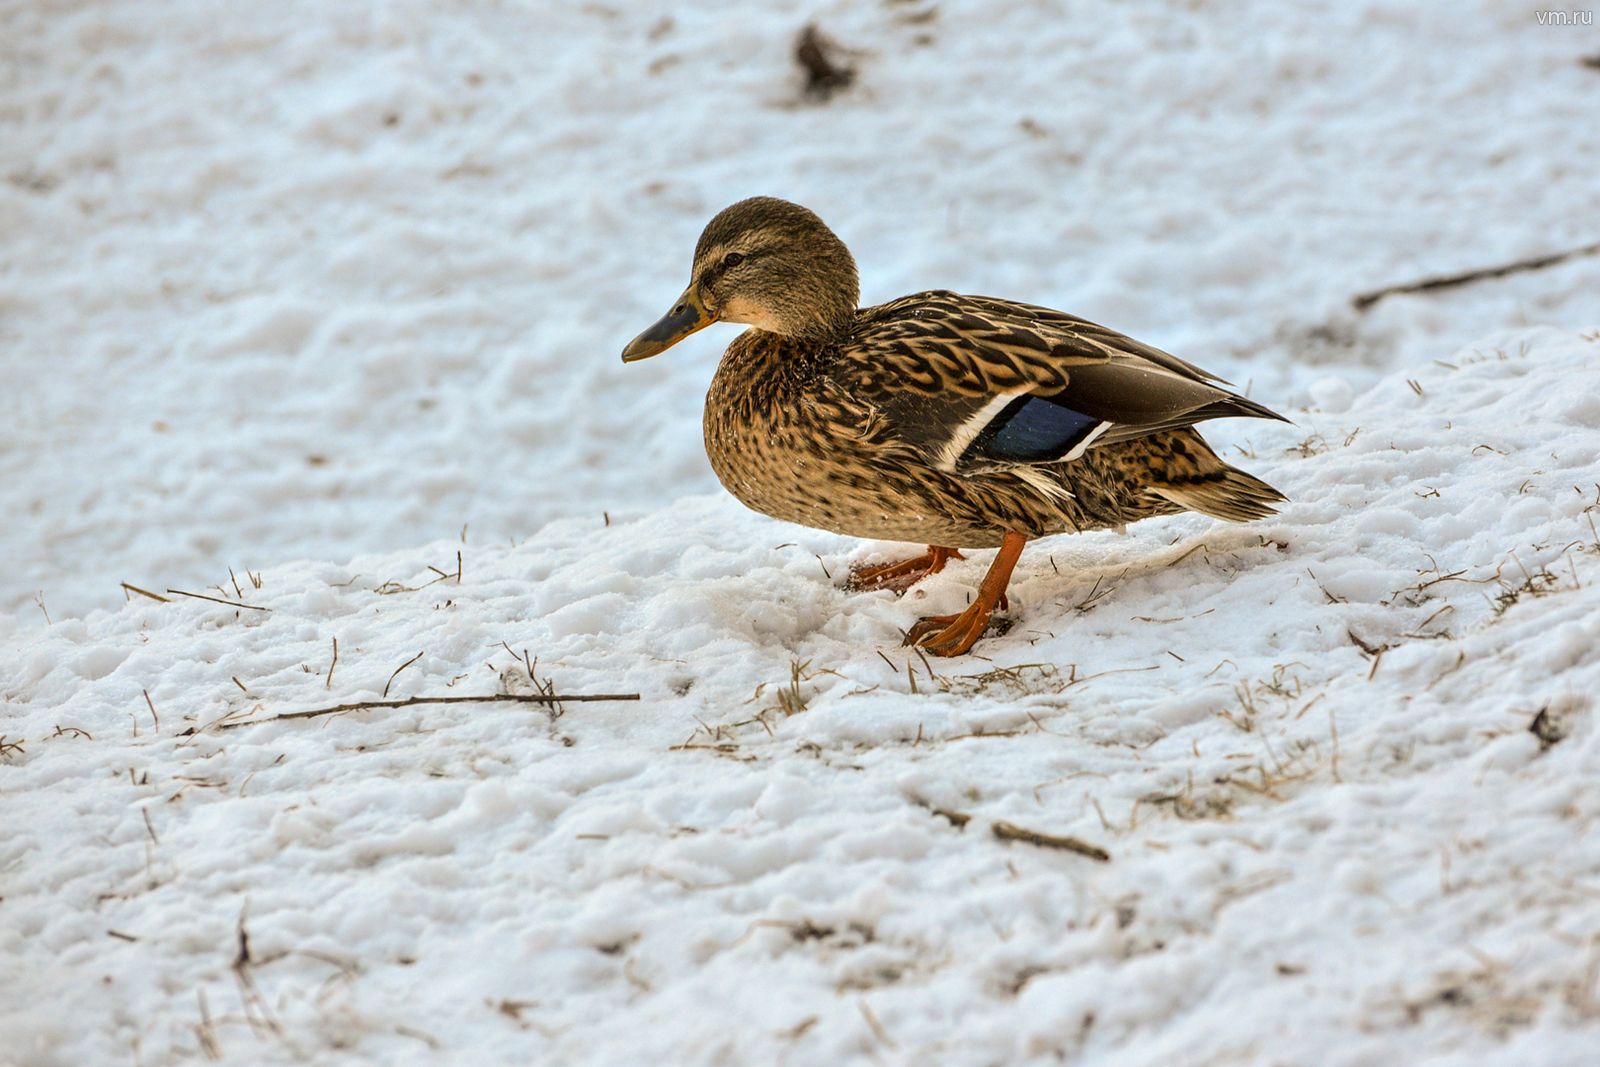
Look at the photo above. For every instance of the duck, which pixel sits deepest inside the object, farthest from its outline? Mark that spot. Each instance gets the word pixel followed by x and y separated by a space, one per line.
pixel 941 419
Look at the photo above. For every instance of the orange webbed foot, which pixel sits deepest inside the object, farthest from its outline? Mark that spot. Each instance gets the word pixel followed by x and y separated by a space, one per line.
pixel 954 635
pixel 950 635
pixel 902 575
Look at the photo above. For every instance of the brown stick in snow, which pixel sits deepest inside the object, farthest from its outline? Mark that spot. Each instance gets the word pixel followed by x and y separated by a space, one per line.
pixel 1008 831
pixel 361 705
pixel 1366 300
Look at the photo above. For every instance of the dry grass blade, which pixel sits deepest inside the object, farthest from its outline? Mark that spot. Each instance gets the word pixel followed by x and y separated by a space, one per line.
pixel 1365 646
pixel 218 600
pixel 790 700
pixel 398 669
pixel 204 1031
pixel 874 1024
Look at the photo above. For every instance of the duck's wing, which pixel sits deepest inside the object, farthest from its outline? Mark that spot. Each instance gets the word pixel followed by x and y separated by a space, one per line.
pixel 975 383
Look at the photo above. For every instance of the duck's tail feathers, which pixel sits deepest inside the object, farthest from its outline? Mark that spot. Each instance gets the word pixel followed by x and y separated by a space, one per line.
pixel 1223 493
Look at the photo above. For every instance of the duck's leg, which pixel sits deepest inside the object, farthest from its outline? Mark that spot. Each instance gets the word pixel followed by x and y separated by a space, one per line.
pixel 953 635
pixel 903 575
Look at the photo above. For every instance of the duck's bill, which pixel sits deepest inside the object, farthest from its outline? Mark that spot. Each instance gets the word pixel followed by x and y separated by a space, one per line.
pixel 686 316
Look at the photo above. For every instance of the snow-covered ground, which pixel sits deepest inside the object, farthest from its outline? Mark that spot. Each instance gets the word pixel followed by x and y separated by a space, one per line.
pixel 348 284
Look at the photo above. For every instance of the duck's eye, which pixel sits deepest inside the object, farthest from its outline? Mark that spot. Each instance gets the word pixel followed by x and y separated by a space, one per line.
pixel 732 259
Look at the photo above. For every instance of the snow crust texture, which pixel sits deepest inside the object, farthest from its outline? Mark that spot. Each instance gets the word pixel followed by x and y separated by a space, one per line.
pixel 1345 782
pixel 333 283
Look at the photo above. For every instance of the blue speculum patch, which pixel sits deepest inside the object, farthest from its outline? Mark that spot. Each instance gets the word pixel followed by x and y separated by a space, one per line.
pixel 1033 429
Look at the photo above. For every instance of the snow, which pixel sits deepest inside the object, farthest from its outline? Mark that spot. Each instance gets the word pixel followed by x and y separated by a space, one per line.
pixel 1342 760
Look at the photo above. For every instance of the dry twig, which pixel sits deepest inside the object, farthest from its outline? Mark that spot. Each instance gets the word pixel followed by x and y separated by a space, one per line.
pixel 1449 281
pixel 1007 831
pixel 362 705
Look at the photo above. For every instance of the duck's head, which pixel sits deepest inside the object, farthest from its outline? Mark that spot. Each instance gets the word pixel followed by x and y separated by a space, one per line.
pixel 767 263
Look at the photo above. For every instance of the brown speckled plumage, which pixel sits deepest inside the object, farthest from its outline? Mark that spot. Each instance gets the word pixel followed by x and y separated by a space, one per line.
pixel 938 418
pixel 788 441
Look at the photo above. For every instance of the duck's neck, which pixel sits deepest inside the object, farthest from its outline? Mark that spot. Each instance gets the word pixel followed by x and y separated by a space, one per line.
pixel 809 320
pixel 818 306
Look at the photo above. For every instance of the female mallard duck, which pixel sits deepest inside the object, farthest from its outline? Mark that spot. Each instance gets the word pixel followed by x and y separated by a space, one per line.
pixel 956 421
